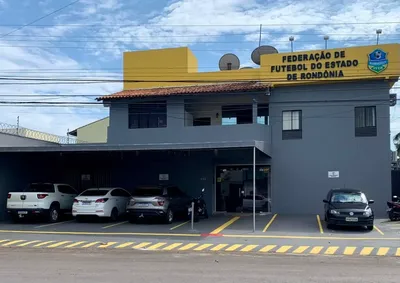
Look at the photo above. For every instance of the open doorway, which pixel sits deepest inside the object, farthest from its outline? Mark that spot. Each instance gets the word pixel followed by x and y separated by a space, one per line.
pixel 234 188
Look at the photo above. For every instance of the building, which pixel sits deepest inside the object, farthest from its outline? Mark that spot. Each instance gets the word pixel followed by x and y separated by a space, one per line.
pixel 95 132
pixel 314 120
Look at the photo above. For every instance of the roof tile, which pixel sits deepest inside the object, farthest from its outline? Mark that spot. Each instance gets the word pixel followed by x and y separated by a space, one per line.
pixel 185 90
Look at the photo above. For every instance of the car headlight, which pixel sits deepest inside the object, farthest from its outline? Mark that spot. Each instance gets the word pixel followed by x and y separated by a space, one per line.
pixel 334 212
pixel 368 212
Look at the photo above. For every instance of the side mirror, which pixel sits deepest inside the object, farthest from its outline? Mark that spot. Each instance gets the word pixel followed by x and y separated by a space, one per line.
pixel 371 201
pixel 325 201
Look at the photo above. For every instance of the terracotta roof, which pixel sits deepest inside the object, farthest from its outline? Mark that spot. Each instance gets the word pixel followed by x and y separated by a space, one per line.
pixel 185 90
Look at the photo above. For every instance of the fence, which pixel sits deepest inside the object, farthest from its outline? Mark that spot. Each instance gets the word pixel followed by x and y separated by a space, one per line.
pixel 37 135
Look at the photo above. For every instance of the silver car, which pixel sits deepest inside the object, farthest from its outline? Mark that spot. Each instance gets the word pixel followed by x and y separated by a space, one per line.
pixel 160 201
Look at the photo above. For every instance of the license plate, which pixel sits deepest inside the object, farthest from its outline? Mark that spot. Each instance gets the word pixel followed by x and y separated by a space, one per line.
pixel 351 219
pixel 22 212
pixel 142 204
pixel 86 202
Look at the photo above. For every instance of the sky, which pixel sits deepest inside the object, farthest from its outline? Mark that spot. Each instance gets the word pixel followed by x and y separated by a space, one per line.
pixel 87 40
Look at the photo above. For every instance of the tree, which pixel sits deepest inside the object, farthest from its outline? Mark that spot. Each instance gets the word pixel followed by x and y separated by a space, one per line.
pixel 396 141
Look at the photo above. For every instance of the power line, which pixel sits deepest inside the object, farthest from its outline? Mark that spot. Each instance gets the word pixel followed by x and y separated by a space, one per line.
pixel 215 25
pixel 41 18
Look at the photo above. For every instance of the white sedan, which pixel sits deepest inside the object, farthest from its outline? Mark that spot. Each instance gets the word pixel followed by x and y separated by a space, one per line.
pixel 101 202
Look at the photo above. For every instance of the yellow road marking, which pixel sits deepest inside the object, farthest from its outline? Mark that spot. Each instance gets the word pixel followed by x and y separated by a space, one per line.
pixel 180 225
pixel 300 249
pixel 172 246
pixel 58 244
pixel 43 243
pixel 28 243
pixel 331 250
pixel 248 236
pixel 52 224
pixel 156 246
pixel 267 248
pixel 203 247
pixel 233 248
pixel 225 225
pixel 366 251
pixel 90 244
pixel 2 241
pixel 379 231
pixel 124 245
pixel 269 223
pixel 199 235
pixel 382 251
pixel 316 250
pixel 12 243
pixel 321 230
pixel 188 246
pixel 349 250
pixel 142 245
pixel 113 225
pixel 283 249
pixel 398 252
pixel 249 248
pixel 75 244
pixel 109 244
pixel 219 247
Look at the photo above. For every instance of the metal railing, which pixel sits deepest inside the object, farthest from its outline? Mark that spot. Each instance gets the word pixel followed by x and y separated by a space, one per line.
pixel 37 135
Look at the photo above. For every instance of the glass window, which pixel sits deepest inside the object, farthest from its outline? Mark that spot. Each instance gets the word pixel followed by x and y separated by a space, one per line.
pixel 365 116
pixel 66 190
pixel 291 120
pixel 148 115
pixel 40 188
pixel 94 192
pixel 348 197
pixel 148 192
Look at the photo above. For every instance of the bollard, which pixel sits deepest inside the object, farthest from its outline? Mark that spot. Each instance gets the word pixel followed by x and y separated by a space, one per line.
pixel 192 214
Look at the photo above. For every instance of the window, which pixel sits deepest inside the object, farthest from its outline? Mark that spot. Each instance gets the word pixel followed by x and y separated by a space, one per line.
pixel 40 188
pixel 206 121
pixel 349 197
pixel 237 114
pixel 64 189
pixel 148 192
pixel 292 124
pixel 148 115
pixel 263 114
pixel 365 121
pixel 94 193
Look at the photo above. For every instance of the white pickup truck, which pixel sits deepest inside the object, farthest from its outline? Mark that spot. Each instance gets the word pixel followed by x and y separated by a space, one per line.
pixel 41 199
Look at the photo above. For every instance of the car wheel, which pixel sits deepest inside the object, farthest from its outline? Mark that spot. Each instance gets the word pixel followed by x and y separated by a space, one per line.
pixel 370 227
pixel 132 219
pixel 54 214
pixel 114 214
pixel 169 217
pixel 330 226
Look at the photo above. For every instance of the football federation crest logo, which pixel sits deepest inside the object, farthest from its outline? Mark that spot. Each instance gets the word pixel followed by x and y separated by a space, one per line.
pixel 377 61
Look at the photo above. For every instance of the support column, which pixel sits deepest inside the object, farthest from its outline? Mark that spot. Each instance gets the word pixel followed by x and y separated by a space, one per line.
pixel 255 108
pixel 254 189
pixel 175 113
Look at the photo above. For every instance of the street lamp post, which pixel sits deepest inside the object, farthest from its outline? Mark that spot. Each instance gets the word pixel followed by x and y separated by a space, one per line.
pixel 378 32
pixel 326 38
pixel 291 39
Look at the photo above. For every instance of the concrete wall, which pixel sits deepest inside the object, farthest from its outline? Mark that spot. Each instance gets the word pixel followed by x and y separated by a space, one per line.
pixel 300 167
pixel 7 140
pixel 177 130
pixel 95 132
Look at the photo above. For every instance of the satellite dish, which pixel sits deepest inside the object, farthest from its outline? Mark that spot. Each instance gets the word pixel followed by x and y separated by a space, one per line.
pixel 246 68
pixel 264 49
pixel 229 62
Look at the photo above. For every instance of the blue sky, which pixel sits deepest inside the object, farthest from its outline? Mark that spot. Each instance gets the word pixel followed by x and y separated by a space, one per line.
pixel 89 37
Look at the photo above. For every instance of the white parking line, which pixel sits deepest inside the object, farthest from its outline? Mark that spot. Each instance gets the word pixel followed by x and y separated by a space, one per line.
pixel 52 224
pixel 116 224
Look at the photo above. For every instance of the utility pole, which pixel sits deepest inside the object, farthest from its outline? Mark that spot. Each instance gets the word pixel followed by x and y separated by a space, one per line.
pixel 17 125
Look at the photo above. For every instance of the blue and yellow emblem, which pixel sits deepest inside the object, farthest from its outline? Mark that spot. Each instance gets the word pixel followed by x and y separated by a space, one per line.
pixel 377 61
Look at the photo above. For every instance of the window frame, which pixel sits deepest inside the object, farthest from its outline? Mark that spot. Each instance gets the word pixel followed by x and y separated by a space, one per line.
pixel 288 134
pixel 364 130
pixel 140 115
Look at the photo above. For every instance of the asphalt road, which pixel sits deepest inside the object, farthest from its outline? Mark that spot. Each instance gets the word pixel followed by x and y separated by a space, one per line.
pixel 86 266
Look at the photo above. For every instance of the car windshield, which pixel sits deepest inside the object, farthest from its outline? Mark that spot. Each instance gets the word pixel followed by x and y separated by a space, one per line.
pixel 348 197
pixel 99 192
pixel 148 192
pixel 41 188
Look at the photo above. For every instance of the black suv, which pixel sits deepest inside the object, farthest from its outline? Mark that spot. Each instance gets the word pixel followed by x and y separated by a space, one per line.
pixel 348 207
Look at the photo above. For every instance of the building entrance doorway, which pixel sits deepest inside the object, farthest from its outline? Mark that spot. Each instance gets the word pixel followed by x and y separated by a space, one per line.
pixel 234 188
